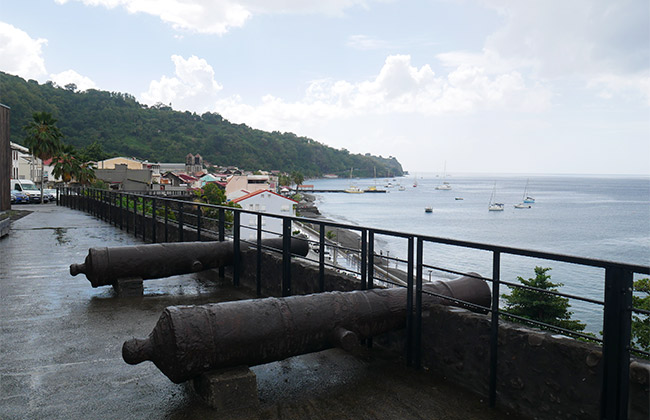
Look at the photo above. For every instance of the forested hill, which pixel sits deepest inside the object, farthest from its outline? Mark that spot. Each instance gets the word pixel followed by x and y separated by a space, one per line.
pixel 124 127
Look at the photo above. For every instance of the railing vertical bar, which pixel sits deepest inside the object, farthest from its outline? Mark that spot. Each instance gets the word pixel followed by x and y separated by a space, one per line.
pixel 222 237
pixel 371 259
pixel 198 222
pixel 121 210
pixel 258 274
pixel 494 327
pixel 409 304
pixel 321 258
pixel 128 213
pixel 286 256
pixel 166 221
pixel 154 219
pixel 617 324
pixel 135 216
pixel 236 248
pixel 417 342
pixel 144 218
pixel 364 257
pixel 181 228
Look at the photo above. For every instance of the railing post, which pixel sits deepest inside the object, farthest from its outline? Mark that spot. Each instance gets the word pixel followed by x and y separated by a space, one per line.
pixel 128 212
pixel 258 274
pixel 417 344
pixel 236 248
pixel 409 304
pixel 154 219
pixel 144 218
pixel 367 258
pixel 286 256
pixel 121 209
pixel 198 223
pixel 321 258
pixel 494 327
pixel 135 216
pixel 166 221
pixel 222 236
pixel 180 221
pixel 617 326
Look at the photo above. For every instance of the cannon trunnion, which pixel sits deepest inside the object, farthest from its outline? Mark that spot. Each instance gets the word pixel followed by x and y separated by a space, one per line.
pixel 190 340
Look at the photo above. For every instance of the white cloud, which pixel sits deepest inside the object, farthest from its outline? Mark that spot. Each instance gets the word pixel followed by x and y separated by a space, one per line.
pixel 598 41
pixel 193 87
pixel 70 76
pixel 20 54
pixel 219 16
pixel 399 88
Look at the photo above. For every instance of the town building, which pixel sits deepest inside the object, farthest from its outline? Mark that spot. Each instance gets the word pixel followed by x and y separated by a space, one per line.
pixel 264 201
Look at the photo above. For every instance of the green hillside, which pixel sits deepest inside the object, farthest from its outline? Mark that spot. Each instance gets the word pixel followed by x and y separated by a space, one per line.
pixel 124 127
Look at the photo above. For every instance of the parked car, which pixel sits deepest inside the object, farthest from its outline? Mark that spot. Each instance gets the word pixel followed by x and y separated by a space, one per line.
pixel 50 194
pixel 27 187
pixel 18 197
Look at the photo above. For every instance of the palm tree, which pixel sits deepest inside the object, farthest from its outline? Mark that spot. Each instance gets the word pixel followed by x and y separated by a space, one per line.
pixel 43 138
pixel 68 167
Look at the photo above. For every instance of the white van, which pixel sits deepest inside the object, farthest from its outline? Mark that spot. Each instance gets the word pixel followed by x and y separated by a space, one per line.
pixel 28 187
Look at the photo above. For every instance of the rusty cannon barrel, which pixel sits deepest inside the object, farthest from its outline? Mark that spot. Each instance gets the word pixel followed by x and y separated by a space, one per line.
pixel 190 340
pixel 103 265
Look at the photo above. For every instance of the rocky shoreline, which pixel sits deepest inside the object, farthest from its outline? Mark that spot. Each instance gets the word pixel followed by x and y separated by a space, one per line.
pixel 308 210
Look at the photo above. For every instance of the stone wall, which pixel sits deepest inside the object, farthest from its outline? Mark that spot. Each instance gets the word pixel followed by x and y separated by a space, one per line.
pixel 540 375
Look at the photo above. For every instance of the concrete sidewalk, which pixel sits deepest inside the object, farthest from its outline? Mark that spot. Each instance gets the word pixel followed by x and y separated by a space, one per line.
pixel 60 345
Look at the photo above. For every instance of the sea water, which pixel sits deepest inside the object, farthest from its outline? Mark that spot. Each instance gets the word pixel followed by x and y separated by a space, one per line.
pixel 600 217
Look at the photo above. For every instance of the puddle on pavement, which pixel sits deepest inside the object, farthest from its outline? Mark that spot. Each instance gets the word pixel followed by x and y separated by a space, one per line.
pixel 61 237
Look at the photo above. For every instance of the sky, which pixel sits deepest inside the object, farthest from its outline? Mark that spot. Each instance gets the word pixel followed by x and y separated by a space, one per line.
pixel 494 86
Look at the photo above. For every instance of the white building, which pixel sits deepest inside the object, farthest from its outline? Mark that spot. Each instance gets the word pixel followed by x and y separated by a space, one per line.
pixel 24 165
pixel 264 201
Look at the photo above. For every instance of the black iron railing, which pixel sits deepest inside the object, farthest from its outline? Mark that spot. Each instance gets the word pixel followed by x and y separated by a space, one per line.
pixel 164 219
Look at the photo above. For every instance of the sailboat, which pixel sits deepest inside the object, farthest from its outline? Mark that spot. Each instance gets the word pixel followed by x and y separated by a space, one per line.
pixel 527 199
pixel 352 189
pixel 494 206
pixel 445 185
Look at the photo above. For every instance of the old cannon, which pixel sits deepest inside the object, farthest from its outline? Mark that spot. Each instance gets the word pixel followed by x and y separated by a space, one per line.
pixel 104 266
pixel 190 340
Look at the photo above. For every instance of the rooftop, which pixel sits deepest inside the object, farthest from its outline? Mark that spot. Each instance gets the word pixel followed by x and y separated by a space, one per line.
pixel 61 345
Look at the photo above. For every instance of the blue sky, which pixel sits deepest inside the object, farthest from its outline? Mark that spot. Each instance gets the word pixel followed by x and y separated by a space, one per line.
pixel 497 86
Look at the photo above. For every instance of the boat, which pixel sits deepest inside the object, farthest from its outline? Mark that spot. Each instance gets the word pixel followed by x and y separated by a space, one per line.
pixel 352 189
pixel 522 206
pixel 527 199
pixel 494 206
pixel 458 198
pixel 428 209
pixel 402 188
pixel 445 186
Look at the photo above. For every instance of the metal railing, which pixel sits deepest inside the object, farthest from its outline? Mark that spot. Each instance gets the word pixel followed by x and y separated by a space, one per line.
pixel 154 218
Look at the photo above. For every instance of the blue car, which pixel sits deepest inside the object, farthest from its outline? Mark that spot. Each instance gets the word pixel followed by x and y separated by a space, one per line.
pixel 18 197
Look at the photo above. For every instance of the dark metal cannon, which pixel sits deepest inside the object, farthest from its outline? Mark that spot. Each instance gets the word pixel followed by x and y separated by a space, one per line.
pixel 104 266
pixel 190 340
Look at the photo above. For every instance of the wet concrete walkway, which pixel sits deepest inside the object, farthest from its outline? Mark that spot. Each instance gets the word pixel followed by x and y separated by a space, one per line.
pixel 60 345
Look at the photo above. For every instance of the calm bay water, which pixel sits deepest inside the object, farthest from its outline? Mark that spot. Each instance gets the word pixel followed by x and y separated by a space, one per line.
pixel 591 216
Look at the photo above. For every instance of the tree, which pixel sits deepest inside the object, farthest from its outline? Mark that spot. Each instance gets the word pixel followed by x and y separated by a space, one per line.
pixel 43 138
pixel 67 166
pixel 297 178
pixel 641 323
pixel 539 306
